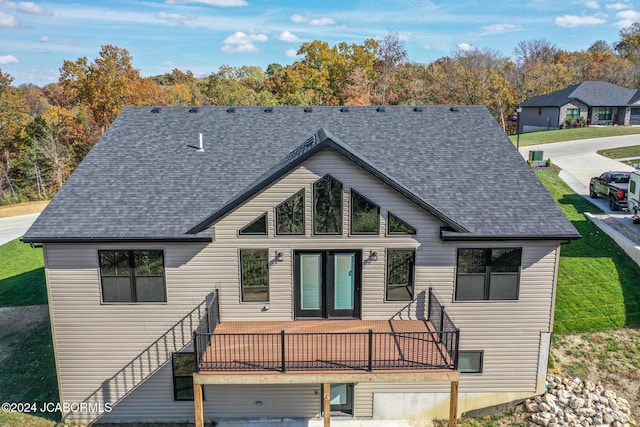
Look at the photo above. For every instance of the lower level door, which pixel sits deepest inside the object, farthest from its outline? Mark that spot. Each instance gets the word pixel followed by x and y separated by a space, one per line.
pixel 342 399
pixel 327 284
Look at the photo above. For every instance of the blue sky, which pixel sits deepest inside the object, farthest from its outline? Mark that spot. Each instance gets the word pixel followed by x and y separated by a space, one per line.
pixel 200 35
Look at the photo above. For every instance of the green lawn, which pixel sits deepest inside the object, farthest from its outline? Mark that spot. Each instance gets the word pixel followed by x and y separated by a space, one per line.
pixel 546 137
pixel 27 368
pixel 22 279
pixel 618 153
pixel 597 282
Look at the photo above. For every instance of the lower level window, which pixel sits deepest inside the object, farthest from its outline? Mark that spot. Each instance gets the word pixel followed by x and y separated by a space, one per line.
pixel 183 366
pixel 132 275
pixel 470 362
pixel 488 274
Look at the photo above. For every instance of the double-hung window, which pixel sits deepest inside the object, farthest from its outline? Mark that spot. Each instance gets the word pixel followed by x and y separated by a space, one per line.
pixel 132 275
pixel 488 274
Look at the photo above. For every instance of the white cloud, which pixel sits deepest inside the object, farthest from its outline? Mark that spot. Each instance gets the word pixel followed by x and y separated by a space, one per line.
pixel 173 19
pixel 465 47
pixel 240 42
pixel 591 4
pixel 287 36
pixel 628 14
pixel 243 48
pixel 617 6
pixel 26 7
pixel 499 28
pixel 292 53
pixel 220 3
pixel 7 59
pixel 576 21
pixel 624 23
pixel 298 19
pixel 322 21
pixel 44 39
pixel 7 20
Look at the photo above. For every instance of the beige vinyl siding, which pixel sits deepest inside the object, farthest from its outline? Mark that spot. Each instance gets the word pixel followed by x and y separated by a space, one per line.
pixel 280 273
pixel 104 351
pixel 113 352
pixel 507 331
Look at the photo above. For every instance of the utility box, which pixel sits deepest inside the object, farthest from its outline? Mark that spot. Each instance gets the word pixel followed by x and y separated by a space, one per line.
pixel 536 157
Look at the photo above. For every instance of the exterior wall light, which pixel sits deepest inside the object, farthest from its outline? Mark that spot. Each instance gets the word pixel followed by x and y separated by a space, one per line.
pixel 373 256
pixel 279 256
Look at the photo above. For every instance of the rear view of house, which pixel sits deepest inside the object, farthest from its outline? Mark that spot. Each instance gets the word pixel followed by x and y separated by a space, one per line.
pixel 245 263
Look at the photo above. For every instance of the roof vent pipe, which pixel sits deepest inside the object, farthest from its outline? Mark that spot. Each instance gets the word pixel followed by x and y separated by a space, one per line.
pixel 200 145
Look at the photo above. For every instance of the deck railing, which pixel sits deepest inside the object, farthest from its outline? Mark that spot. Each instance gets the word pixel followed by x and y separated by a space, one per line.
pixel 207 326
pixel 443 324
pixel 309 351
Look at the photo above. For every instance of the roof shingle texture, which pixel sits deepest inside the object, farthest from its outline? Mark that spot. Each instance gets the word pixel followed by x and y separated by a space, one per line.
pixel 591 93
pixel 145 180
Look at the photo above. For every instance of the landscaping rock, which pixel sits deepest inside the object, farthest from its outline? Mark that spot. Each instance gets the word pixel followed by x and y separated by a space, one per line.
pixel 573 402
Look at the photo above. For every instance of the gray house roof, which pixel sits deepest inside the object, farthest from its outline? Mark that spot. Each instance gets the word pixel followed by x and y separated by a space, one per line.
pixel 593 94
pixel 146 179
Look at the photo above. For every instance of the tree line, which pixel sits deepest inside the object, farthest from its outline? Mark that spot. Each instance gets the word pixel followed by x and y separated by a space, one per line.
pixel 46 131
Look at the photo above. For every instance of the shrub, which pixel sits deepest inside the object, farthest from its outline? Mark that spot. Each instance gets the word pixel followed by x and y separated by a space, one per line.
pixel 548 163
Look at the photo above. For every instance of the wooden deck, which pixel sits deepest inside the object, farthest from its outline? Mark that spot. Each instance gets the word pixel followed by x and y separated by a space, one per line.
pixel 326 345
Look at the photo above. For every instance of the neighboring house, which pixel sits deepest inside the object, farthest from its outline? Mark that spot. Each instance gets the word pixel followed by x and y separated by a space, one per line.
pixel 599 103
pixel 376 263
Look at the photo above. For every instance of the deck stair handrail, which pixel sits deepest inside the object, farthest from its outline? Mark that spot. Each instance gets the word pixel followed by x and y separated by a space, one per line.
pixel 207 326
pixel 443 324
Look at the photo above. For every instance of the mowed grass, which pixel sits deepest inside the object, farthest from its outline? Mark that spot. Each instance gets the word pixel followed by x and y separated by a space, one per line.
pixel 621 152
pixel 21 275
pixel 549 136
pixel 27 366
pixel 598 284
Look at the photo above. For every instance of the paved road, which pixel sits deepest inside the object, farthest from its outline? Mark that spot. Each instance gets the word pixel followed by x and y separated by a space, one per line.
pixel 15 226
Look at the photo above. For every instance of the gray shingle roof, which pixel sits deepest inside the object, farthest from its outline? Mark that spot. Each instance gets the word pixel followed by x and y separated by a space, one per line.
pixel 591 93
pixel 145 180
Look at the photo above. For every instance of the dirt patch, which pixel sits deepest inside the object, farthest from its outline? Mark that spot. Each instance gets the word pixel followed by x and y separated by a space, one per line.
pixel 619 227
pixel 15 320
pixel 18 320
pixel 22 208
pixel 611 358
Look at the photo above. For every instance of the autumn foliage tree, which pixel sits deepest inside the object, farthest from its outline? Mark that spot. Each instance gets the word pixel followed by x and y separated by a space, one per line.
pixel 45 132
pixel 107 85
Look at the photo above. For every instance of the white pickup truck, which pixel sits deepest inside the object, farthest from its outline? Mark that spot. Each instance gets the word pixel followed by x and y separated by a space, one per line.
pixel 633 196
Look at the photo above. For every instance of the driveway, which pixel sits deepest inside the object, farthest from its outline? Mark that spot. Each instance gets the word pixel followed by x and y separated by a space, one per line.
pixel 579 158
pixel 579 162
pixel 15 226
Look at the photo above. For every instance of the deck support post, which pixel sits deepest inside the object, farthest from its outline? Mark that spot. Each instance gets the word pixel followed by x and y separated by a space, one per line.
pixel 197 403
pixel 453 404
pixel 326 398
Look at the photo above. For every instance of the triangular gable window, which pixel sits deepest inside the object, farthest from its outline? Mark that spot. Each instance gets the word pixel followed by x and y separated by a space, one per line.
pixel 398 226
pixel 256 227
